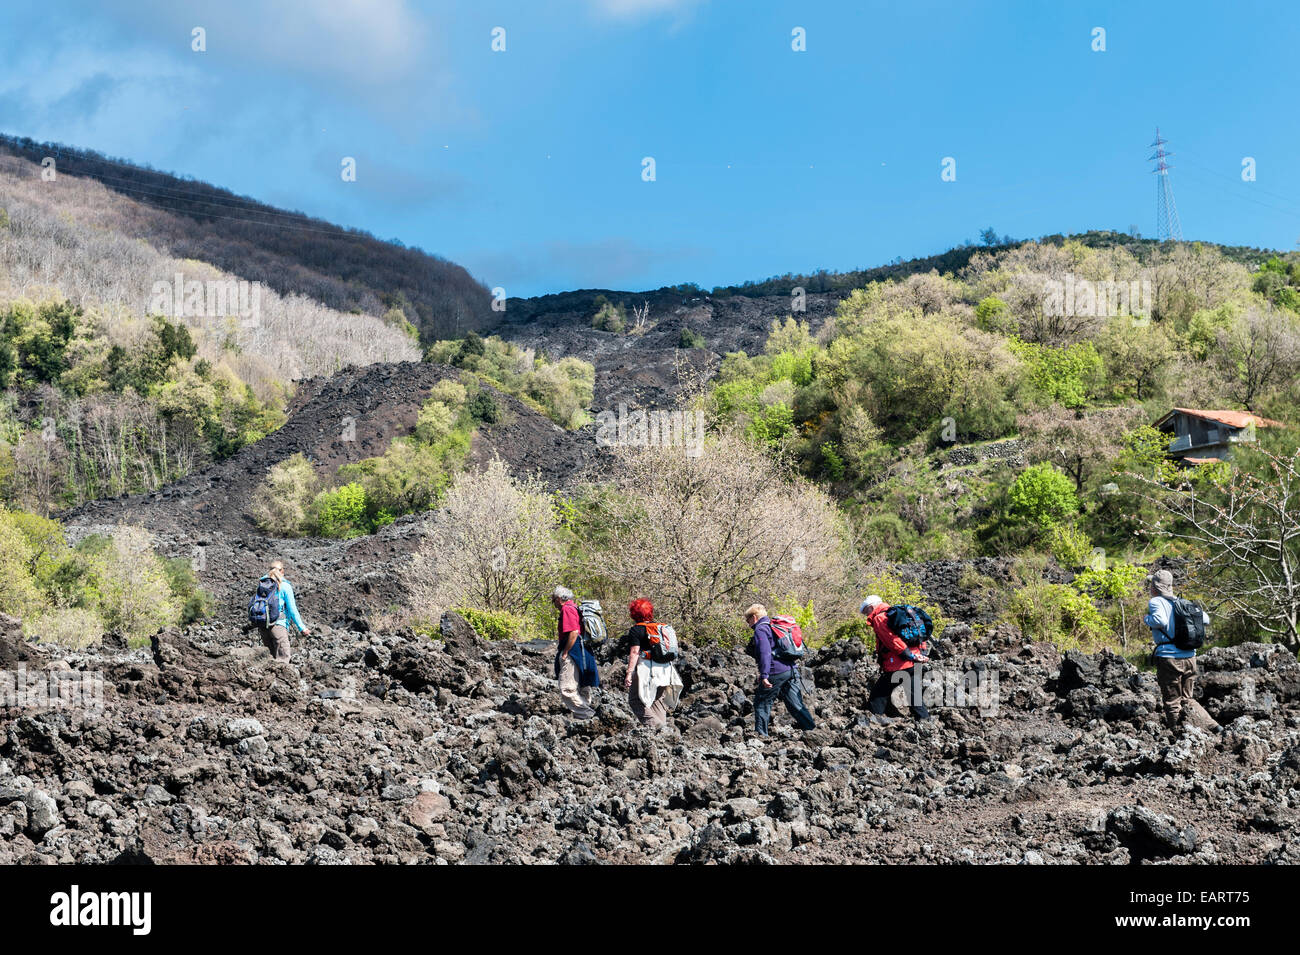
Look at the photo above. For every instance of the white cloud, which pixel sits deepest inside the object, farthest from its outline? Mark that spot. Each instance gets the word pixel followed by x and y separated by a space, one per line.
pixel 361 41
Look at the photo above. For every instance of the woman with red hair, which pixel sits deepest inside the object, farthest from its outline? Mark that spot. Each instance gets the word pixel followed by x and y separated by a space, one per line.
pixel 652 688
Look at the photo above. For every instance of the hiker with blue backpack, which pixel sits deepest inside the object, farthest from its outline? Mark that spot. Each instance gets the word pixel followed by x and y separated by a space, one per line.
pixel 273 610
pixel 1178 629
pixel 901 635
pixel 778 647
pixel 652 682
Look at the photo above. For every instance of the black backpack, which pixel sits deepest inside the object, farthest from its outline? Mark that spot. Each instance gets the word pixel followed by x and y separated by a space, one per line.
pixel 264 607
pixel 1188 623
pixel 912 624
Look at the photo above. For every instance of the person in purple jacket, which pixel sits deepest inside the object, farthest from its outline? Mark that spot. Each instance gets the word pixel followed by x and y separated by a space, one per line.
pixel 774 677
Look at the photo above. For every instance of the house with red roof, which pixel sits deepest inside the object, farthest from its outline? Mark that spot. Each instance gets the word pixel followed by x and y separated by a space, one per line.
pixel 1198 436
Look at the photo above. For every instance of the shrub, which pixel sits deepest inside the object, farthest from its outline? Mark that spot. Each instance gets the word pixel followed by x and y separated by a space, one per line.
pixel 709 534
pixel 282 502
pixel 435 422
pixel 689 338
pixel 833 461
pixel 1067 375
pixel 483 407
pixel 856 630
pixel 19 594
pixel 498 624
pixel 493 548
pixel 73 627
pixel 135 594
pixel 804 614
pixel 1057 614
pixel 994 315
pixel 609 318
pixel 340 512
pixel 893 589
pixel 194 602
pixel 561 390
pixel 1042 496
pixel 772 424
pixel 1070 546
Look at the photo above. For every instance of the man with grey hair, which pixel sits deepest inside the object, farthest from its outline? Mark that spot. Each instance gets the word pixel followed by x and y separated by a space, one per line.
pixel 576 698
pixel 1175 667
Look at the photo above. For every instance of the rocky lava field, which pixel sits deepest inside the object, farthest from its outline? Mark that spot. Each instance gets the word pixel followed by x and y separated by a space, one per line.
pixel 380 746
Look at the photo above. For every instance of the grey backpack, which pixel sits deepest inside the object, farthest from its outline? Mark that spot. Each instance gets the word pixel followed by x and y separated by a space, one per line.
pixel 593 621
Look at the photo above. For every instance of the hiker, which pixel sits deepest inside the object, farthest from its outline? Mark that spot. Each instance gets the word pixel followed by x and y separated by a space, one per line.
pixel 575 668
pixel 1175 664
pixel 895 657
pixel 273 610
pixel 652 682
pixel 775 676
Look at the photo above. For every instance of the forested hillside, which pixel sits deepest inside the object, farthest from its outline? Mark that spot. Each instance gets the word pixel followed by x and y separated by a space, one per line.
pixel 347 270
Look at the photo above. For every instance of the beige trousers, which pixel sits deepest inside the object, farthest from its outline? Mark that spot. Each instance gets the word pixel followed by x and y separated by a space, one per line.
pixel 276 639
pixel 577 699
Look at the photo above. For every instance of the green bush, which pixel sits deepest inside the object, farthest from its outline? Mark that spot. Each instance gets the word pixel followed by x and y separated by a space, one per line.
pixel 340 512
pixel 689 338
pixel 1070 546
pixel 1068 375
pixel 19 594
pixel 562 390
pixel 195 603
pixel 483 407
pixel 499 624
pixel 994 315
pixel 804 614
pixel 134 594
pixel 73 627
pixel 858 630
pixel 609 317
pixel 893 589
pixel 1057 614
pixel 1042 496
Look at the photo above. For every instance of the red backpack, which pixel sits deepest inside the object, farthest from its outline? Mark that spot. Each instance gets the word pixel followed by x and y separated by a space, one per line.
pixel 787 639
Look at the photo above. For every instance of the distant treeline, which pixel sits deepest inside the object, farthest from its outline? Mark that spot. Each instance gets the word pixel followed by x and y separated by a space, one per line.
pixel 841 283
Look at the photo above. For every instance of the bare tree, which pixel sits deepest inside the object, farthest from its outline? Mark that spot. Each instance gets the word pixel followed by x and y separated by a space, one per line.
pixel 1261 351
pixel 705 535
pixel 640 319
pixel 1249 530
pixel 1077 442
pixel 494 546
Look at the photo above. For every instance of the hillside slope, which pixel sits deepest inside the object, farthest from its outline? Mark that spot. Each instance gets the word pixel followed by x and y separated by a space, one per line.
pixel 335 421
pixel 345 269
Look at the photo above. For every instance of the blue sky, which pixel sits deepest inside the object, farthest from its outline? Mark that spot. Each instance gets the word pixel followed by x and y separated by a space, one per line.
pixel 526 165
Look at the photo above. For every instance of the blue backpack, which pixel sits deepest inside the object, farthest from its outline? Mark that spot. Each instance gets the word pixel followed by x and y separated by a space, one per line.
pixel 264 608
pixel 911 623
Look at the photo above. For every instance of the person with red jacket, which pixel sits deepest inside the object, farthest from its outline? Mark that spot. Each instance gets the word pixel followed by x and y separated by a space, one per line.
pixel 895 657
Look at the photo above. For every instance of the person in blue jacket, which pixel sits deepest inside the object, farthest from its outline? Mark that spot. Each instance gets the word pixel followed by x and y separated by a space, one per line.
pixel 1175 668
pixel 276 635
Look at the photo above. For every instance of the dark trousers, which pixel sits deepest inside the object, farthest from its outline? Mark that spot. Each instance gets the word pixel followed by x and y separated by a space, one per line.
pixel 878 701
pixel 789 688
